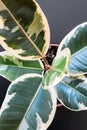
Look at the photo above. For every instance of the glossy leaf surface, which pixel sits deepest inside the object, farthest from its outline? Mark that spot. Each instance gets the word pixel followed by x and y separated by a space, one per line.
pixel 78 63
pixel 27 106
pixel 11 67
pixel 72 92
pixel 58 68
pixel 24 30
pixel 76 41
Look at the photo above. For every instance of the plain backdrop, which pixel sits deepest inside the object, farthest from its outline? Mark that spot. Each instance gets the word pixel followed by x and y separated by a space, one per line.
pixel 63 16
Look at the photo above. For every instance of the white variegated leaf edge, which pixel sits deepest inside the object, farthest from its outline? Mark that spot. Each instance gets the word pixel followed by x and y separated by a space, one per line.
pixel 51 90
pixel 21 78
pixel 79 73
pixel 46 29
pixel 81 106
pixel 65 53
pixel 56 81
pixel 47 37
pixel 6 53
pixel 70 35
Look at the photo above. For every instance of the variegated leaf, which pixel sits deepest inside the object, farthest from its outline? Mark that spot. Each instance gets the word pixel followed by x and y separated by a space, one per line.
pixel 27 106
pixel 24 30
pixel 76 41
pixel 72 92
pixel 58 69
pixel 78 63
pixel 11 67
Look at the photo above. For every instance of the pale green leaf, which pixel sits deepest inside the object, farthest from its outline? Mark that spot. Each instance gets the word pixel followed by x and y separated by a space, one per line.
pixel 27 106
pixel 24 30
pixel 58 69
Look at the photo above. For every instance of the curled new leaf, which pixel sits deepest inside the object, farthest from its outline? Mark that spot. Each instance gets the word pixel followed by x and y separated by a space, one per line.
pixel 58 69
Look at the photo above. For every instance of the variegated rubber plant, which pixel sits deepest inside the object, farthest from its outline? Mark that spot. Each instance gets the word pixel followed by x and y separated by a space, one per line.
pixel 31 99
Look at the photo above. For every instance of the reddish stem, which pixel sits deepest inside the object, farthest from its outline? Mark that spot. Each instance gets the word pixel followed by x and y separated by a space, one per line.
pixel 60 105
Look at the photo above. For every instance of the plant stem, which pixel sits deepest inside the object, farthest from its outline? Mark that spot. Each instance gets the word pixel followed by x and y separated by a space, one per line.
pixel 60 105
pixel 46 64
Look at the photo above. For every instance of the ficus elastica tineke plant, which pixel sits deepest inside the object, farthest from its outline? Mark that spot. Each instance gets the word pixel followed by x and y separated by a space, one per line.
pixel 35 85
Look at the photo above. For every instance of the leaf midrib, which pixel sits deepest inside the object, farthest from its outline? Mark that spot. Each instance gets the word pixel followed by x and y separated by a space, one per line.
pixel 78 51
pixel 73 89
pixel 30 105
pixel 23 31
pixel 22 67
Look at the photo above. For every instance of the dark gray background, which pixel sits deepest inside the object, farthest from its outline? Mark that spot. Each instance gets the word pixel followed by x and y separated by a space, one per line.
pixel 63 15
